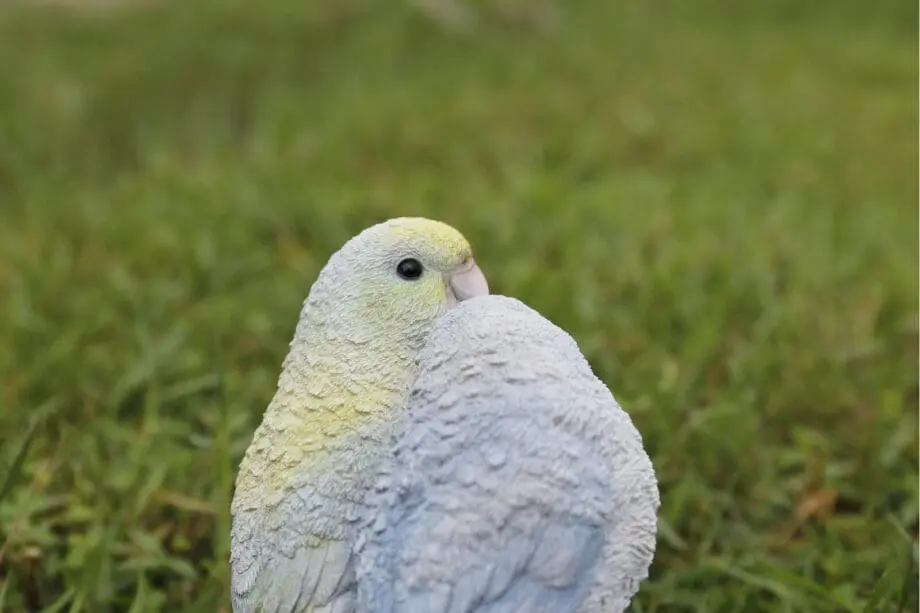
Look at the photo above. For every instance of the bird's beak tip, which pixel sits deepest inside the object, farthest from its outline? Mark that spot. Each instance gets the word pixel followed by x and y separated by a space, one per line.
pixel 468 283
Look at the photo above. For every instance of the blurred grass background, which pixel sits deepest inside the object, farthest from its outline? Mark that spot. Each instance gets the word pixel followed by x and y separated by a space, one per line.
pixel 718 199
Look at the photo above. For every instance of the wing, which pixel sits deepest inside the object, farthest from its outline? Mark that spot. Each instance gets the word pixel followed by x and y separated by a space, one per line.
pixel 547 573
pixel 494 519
pixel 275 569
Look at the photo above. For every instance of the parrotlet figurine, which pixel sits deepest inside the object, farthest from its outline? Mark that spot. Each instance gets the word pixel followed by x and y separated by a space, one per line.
pixel 299 497
pixel 517 485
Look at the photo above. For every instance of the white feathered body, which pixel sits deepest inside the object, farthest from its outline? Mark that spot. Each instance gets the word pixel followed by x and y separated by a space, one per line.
pixel 518 484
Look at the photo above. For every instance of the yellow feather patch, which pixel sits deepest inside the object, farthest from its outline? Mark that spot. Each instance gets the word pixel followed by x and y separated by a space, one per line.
pixel 439 242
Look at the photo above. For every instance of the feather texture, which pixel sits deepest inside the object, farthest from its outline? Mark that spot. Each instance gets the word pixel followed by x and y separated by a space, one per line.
pixel 518 484
pixel 343 386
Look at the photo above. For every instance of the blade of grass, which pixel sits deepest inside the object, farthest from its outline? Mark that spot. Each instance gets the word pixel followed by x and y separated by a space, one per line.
pixel 14 471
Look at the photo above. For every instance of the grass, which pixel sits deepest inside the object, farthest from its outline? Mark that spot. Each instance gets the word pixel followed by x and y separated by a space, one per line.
pixel 718 199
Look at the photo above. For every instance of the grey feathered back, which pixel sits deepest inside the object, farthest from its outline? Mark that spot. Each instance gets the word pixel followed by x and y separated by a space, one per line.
pixel 518 484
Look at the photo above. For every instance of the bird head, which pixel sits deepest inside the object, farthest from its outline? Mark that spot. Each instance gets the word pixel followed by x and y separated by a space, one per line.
pixel 392 281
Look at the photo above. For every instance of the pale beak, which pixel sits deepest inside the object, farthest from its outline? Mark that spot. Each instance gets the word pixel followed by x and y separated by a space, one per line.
pixel 469 282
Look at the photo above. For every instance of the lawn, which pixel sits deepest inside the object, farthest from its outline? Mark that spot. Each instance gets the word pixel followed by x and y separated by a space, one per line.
pixel 717 199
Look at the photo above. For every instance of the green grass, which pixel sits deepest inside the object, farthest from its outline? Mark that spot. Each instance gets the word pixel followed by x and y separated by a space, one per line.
pixel 718 199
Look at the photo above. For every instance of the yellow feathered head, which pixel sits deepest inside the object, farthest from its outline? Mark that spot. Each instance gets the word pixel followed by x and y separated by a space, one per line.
pixel 392 280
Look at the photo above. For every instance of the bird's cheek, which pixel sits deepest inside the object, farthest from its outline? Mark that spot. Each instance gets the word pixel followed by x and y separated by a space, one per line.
pixel 437 292
pixel 425 304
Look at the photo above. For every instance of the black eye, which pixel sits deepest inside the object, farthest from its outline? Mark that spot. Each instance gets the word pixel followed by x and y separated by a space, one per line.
pixel 409 269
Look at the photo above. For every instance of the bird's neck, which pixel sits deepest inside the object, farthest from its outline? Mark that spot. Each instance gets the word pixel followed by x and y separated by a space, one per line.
pixel 338 397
